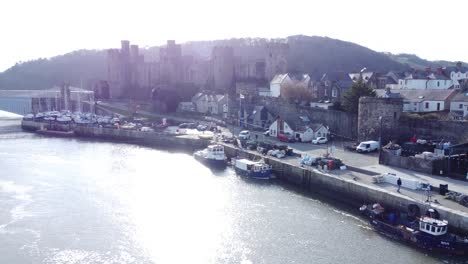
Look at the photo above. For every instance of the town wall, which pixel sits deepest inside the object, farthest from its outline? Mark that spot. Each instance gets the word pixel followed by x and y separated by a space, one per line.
pixel 453 131
pixel 371 110
pixel 340 123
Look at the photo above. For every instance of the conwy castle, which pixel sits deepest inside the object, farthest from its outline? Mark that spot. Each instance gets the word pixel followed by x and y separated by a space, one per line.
pixel 130 74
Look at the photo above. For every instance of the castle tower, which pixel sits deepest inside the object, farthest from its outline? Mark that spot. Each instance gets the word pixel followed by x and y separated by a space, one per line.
pixel 370 111
pixel 170 59
pixel 222 63
pixel 276 61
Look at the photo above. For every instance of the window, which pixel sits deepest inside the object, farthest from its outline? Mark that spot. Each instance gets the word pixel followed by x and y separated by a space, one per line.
pixel 460 106
pixel 438 230
pixel 438 106
pixel 432 228
pixel 394 115
pixel 428 227
pixel 427 105
pixel 438 83
pixel 334 92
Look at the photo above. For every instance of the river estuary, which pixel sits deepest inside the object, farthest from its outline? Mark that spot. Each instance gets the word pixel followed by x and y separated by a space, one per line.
pixel 82 201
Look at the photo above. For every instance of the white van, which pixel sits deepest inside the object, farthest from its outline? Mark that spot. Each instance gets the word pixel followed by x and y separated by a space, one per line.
pixel 368 146
pixel 244 135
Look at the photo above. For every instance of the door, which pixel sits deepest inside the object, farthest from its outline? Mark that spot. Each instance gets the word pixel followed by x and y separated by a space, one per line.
pixel 438 106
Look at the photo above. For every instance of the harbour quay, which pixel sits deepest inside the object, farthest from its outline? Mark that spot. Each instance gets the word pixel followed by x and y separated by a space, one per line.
pixel 345 189
pixel 338 187
pixel 154 139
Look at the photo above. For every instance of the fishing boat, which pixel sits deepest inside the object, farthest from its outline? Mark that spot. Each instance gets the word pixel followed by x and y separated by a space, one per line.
pixel 252 169
pixel 55 133
pixel 212 156
pixel 427 232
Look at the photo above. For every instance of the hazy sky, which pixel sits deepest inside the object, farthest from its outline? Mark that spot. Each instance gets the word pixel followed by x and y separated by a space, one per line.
pixel 432 29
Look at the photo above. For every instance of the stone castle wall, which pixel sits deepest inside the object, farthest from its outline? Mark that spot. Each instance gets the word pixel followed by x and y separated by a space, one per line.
pixel 371 110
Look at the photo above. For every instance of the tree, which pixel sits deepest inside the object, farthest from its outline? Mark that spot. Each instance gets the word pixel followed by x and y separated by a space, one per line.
pixel 351 96
pixel 294 92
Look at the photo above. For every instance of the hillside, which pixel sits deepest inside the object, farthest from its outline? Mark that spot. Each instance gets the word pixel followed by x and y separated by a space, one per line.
pixel 313 55
pixel 76 68
pixel 416 62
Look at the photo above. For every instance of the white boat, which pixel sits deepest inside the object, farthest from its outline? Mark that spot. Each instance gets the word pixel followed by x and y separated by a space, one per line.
pixel 212 156
pixel 253 169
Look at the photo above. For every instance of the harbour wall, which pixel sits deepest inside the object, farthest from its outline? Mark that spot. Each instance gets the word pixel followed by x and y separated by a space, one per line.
pixel 339 188
pixel 347 190
pixel 155 139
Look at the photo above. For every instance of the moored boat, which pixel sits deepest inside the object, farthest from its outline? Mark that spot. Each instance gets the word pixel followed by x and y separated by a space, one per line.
pixel 253 169
pixel 426 232
pixel 56 133
pixel 212 156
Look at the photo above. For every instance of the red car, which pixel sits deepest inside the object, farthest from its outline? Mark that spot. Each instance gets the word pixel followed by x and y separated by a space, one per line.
pixel 286 138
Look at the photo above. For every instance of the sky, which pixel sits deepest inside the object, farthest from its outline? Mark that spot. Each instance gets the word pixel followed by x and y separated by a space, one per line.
pixel 32 29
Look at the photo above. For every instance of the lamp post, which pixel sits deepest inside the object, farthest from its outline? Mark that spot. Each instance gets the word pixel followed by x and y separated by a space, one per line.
pixel 380 140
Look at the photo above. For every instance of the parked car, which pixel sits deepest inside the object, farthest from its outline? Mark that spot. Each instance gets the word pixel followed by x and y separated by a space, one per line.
pixel 266 133
pixel 244 135
pixel 368 146
pixel 286 138
pixel 319 140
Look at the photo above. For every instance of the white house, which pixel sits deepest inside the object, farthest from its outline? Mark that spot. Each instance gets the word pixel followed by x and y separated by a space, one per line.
pixel 279 81
pixel 307 133
pixel 459 106
pixel 186 107
pixel 209 103
pixel 429 81
pixel 280 127
pixel 419 101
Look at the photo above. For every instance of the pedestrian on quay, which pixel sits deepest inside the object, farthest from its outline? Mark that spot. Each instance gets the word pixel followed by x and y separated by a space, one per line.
pixel 399 184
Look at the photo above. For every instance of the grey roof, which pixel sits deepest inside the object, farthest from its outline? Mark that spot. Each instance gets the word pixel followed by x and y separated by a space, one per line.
pixel 420 95
pixel 316 127
pixel 335 76
pixel 461 97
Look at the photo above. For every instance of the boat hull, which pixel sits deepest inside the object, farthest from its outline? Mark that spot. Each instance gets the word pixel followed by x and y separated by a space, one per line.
pixel 56 133
pixel 260 175
pixel 212 163
pixel 446 244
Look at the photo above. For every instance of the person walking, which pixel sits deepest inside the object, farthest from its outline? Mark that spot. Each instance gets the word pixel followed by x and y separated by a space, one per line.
pixel 399 184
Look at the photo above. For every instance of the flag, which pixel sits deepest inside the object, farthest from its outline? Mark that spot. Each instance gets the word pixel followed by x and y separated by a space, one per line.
pixel 241 96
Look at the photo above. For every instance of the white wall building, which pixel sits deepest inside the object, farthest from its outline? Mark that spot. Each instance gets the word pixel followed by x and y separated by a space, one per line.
pixel 280 127
pixel 459 106
pixel 419 101
pixel 307 133
pixel 279 81
pixel 432 82
pixel 210 104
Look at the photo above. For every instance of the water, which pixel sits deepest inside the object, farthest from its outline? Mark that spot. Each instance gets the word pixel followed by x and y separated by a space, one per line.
pixel 78 201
